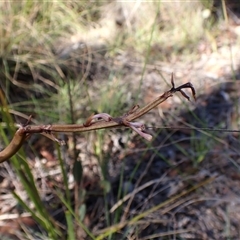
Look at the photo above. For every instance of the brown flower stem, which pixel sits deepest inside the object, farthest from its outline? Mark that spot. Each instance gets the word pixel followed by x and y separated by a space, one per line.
pixel 92 123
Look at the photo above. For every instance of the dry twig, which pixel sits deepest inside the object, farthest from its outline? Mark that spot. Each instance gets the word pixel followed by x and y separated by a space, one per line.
pixel 94 122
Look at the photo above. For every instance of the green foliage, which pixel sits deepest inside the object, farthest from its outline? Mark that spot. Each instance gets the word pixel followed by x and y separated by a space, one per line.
pixel 24 174
pixel 33 37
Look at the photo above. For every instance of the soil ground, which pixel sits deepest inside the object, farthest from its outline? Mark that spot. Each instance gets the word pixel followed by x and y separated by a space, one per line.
pixel 175 161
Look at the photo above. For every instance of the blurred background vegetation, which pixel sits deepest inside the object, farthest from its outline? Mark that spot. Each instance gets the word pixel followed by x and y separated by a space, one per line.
pixel 60 61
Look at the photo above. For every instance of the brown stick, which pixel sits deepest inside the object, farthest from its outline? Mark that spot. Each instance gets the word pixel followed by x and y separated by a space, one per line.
pixel 16 143
pixel 91 124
